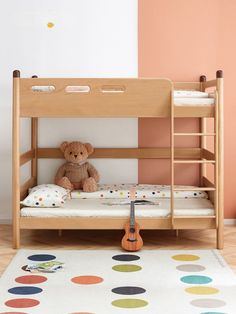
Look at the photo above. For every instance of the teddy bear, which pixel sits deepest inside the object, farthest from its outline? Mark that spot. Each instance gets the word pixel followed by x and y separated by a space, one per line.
pixel 77 173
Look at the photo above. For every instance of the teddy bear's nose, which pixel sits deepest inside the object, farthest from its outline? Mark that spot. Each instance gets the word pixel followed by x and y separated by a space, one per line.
pixel 75 156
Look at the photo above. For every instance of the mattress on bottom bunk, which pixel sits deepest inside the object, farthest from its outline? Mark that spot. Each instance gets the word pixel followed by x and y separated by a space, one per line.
pixel 117 208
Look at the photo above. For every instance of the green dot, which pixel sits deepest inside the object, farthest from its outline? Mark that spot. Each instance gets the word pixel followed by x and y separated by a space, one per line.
pixel 126 268
pixel 129 303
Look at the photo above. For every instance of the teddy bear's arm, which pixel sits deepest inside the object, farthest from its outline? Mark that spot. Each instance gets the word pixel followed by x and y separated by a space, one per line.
pixel 93 172
pixel 60 173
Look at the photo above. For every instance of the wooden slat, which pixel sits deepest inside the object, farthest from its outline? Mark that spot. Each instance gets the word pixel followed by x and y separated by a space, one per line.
pixel 207 154
pixel 195 189
pixel 140 153
pixel 116 223
pixel 195 223
pixel 206 111
pixel 141 98
pixel 194 134
pixel 24 187
pixel 27 156
pixel 208 84
pixel 194 161
pixel 91 223
pixel 187 85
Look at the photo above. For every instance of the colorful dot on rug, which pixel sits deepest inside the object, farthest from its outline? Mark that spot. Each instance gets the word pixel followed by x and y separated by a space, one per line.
pixel 22 303
pixel 185 257
pixel 125 257
pixel 13 313
pixel 87 280
pixel 195 279
pixel 25 290
pixel 208 303
pixel 41 257
pixel 202 290
pixel 31 279
pixel 129 303
pixel 128 290
pixel 190 268
pixel 126 268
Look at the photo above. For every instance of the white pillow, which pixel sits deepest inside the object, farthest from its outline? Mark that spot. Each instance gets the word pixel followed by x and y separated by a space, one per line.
pixel 45 195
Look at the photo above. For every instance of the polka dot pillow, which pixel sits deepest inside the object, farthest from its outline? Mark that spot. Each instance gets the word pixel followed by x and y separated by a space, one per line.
pixel 46 195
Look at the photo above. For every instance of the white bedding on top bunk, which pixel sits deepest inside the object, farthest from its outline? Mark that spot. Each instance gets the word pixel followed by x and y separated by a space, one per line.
pixel 186 97
pixel 111 208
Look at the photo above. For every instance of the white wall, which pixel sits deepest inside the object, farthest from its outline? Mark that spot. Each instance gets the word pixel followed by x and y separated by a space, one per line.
pixel 90 39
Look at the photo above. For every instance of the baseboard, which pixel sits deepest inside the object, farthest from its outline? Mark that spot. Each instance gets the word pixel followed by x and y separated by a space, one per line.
pixel 227 222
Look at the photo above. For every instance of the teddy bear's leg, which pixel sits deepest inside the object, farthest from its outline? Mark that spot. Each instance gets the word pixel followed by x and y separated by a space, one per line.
pixel 89 185
pixel 65 183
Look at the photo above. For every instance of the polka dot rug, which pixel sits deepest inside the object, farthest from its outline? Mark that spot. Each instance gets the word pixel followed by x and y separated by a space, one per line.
pixel 114 281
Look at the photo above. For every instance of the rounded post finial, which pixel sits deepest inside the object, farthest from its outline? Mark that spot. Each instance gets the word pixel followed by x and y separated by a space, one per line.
pixel 16 73
pixel 34 76
pixel 203 78
pixel 219 74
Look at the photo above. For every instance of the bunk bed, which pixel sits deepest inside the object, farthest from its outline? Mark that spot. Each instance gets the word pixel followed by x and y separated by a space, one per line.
pixel 36 98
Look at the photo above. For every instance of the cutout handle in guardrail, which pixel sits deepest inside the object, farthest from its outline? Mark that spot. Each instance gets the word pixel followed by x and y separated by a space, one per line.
pixel 77 89
pixel 43 88
pixel 113 89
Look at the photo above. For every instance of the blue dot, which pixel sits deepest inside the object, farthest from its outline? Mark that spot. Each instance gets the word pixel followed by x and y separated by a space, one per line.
pixel 213 313
pixel 194 279
pixel 41 257
pixel 24 290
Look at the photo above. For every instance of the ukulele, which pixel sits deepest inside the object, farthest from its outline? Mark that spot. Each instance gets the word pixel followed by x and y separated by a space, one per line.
pixel 132 240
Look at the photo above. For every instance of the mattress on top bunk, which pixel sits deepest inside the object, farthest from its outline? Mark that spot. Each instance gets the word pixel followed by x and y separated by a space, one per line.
pixel 192 98
pixel 121 208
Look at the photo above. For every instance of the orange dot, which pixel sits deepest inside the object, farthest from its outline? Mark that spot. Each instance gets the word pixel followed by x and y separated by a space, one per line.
pixel 87 280
pixel 21 303
pixel 31 279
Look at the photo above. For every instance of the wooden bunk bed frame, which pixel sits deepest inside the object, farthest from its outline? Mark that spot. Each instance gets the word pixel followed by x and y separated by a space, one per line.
pixel 119 98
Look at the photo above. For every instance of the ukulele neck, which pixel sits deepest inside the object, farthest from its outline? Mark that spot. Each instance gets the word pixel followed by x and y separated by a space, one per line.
pixel 132 215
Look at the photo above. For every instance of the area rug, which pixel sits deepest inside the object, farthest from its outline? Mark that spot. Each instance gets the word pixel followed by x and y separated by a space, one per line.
pixel 113 281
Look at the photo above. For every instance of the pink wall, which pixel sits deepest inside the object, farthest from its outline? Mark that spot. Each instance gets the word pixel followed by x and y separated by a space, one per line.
pixel 180 40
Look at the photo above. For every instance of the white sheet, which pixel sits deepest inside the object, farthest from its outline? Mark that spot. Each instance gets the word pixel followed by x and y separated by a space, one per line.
pixel 193 101
pixel 104 208
pixel 190 94
pixel 143 191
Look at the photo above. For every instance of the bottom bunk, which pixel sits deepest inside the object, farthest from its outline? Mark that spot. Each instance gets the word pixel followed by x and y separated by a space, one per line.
pixel 109 208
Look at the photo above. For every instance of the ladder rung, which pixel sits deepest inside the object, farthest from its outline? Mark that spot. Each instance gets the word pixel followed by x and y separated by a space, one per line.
pixel 195 189
pixel 205 161
pixel 194 134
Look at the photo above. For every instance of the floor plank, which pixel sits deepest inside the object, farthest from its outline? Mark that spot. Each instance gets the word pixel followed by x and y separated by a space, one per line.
pixel 106 239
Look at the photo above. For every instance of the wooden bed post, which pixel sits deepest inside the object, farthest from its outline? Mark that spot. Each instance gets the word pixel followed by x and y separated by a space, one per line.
pixel 220 227
pixel 16 160
pixel 203 129
pixel 34 146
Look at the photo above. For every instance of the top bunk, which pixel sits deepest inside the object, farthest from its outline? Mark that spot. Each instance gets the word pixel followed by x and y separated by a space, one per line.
pixel 114 97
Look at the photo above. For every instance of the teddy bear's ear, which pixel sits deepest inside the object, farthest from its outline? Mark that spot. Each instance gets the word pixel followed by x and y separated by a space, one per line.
pixel 63 146
pixel 89 148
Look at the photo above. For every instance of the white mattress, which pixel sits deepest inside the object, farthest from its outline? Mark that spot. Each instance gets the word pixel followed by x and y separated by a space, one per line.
pixel 105 208
pixel 192 98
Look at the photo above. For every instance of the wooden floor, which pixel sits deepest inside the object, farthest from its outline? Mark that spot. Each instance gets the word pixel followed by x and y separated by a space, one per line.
pixel 88 239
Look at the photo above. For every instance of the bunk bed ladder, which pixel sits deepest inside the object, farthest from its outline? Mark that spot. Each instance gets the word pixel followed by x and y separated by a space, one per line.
pixel 206 157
